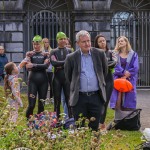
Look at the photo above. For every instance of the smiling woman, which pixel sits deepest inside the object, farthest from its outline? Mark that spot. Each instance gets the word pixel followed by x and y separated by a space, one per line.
pixel 126 68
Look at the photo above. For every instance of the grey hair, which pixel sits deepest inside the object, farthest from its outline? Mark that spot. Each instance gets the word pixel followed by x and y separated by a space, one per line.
pixel 82 33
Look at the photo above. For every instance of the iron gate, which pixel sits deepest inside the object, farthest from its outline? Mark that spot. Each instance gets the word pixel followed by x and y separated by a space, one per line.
pixel 135 26
pixel 47 23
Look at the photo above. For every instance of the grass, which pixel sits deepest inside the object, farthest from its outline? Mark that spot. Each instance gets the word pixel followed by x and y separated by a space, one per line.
pixel 113 140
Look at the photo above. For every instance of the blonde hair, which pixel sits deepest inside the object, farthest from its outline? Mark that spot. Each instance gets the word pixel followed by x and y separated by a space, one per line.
pixel 43 48
pixel 41 45
pixel 128 46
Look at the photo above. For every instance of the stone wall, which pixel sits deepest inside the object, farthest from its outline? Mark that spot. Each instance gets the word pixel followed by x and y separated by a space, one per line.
pixel 93 16
pixel 95 5
pixel 11 31
pixel 96 23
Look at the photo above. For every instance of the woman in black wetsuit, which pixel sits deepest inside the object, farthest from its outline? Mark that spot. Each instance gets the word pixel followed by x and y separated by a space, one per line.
pixel 57 58
pixel 37 79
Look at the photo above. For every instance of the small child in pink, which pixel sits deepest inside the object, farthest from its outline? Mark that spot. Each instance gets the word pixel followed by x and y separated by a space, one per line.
pixel 12 88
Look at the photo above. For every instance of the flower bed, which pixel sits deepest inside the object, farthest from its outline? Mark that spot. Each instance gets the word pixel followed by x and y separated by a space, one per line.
pixel 48 138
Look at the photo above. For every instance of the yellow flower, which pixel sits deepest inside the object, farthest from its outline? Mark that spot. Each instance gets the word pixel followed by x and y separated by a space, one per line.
pixel 24 84
pixel 19 79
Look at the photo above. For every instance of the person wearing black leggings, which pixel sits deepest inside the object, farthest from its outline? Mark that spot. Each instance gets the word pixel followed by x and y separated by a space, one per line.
pixel 47 48
pixel 101 42
pixel 37 79
pixel 57 58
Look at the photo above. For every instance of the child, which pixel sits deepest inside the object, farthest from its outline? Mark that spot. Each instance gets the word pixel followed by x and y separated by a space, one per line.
pixel 12 88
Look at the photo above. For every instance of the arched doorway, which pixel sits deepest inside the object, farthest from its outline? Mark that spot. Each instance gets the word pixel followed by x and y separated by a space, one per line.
pixel 121 24
pixel 46 18
pixel 47 24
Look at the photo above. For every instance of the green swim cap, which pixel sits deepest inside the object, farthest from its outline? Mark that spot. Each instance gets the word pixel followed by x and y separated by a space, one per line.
pixel 60 35
pixel 37 38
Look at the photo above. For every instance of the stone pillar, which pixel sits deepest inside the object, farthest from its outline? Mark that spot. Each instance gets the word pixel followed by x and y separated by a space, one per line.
pixel 97 22
pixel 93 16
pixel 11 31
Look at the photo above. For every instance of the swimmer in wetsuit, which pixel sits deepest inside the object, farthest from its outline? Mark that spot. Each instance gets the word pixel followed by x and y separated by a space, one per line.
pixel 37 79
pixel 57 58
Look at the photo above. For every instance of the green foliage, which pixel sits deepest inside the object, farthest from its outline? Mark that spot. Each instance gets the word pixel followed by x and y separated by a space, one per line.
pixel 47 138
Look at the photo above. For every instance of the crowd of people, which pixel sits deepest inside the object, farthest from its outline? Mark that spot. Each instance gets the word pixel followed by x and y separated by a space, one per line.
pixel 82 79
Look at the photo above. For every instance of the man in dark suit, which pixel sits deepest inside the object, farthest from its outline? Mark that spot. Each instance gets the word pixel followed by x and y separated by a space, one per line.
pixel 86 70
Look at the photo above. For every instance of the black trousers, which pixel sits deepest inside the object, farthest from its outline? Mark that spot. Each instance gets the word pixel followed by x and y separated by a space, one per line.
pixel 50 80
pixel 89 106
pixel 109 89
pixel 59 83
pixel 37 84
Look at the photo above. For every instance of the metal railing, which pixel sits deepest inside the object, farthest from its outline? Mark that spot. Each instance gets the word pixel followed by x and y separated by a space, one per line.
pixel 136 26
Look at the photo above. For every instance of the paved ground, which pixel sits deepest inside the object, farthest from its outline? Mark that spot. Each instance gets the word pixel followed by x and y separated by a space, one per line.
pixel 143 102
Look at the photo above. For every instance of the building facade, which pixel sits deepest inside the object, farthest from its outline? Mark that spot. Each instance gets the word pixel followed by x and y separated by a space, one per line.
pixel 20 20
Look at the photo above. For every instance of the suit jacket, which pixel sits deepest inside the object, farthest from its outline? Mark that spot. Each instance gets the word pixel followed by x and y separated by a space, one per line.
pixel 73 70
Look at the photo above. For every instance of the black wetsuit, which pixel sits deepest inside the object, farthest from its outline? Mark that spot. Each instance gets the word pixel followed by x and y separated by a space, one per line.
pixel 57 58
pixel 37 81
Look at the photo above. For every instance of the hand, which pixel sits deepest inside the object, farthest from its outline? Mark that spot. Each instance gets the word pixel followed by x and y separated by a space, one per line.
pixel 29 65
pixel 53 58
pixel 22 64
pixel 124 77
pixel 127 74
pixel 30 53
pixel 26 59
pixel 46 61
pixel 46 54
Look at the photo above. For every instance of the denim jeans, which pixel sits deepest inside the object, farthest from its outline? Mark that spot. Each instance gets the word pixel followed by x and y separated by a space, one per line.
pixel 64 103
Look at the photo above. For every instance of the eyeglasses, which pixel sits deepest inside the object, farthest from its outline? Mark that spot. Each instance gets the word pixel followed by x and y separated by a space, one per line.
pixel 1 49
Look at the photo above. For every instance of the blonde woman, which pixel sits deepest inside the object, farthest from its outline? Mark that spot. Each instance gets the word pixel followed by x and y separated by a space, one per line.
pixel 47 48
pixel 127 67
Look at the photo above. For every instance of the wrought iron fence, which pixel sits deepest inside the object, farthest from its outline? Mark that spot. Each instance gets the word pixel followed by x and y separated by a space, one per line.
pixel 47 24
pixel 135 26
